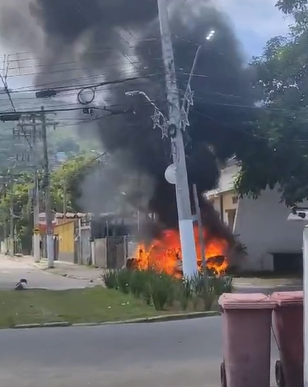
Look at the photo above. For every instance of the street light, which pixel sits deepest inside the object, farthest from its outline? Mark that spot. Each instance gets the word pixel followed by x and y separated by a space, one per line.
pixel 210 35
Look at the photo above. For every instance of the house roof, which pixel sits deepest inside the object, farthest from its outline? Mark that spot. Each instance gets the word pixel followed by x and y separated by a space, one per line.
pixel 226 181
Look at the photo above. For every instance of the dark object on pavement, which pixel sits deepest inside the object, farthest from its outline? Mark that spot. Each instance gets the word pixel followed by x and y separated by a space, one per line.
pixel 21 285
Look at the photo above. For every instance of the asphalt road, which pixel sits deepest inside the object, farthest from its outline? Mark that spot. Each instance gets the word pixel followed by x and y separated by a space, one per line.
pixel 173 354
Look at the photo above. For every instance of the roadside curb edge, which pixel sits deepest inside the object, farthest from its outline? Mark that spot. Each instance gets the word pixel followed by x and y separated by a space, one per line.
pixel 162 318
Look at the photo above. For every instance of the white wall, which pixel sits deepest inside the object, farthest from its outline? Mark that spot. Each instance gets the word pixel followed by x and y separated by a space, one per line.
pixel 263 227
pixel 227 204
pixel 226 181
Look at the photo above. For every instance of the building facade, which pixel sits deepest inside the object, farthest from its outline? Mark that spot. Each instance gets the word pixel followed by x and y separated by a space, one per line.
pixel 271 241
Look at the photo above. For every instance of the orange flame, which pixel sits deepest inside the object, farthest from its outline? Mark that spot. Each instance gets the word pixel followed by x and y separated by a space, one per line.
pixel 164 254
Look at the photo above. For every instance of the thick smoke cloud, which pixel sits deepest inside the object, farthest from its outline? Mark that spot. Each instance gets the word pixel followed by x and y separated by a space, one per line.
pixel 116 39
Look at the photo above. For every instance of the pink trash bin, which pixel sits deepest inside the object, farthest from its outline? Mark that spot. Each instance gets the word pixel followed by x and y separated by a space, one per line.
pixel 246 339
pixel 288 326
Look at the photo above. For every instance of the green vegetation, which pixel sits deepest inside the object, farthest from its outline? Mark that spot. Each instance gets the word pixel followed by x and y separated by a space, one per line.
pixel 74 306
pixel 279 133
pixel 65 138
pixel 129 295
pixel 68 177
pixel 166 292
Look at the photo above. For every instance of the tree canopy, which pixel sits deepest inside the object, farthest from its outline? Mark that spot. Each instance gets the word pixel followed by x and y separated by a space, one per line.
pixel 280 153
pixel 68 178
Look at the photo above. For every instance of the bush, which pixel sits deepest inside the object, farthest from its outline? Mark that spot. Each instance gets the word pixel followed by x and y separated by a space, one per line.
pixel 124 280
pixel 138 283
pixel 228 284
pixel 220 285
pixel 186 292
pixel 161 289
pixel 110 279
pixel 209 288
pixel 160 286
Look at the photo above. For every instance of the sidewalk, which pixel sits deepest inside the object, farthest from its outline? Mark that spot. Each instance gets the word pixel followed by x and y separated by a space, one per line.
pixel 63 277
pixel 267 282
pixel 70 270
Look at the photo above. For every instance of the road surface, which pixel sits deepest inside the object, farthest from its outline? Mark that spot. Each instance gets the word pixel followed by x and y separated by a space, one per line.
pixel 172 354
pixel 12 270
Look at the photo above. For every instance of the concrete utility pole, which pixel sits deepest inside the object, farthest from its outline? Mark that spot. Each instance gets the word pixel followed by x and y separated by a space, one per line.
pixel 48 211
pixel 188 247
pixel 12 226
pixel 28 128
pixel 36 199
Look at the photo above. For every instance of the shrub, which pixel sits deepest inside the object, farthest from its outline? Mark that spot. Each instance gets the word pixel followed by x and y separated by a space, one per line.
pixel 124 277
pixel 186 292
pixel 208 298
pixel 228 284
pixel 220 285
pixel 159 286
pixel 199 284
pixel 137 283
pixel 110 279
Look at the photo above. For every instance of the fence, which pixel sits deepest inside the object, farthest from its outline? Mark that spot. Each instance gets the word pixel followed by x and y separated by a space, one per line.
pixel 112 252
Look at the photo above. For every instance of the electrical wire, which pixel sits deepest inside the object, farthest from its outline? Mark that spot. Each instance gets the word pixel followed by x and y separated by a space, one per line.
pixel 5 85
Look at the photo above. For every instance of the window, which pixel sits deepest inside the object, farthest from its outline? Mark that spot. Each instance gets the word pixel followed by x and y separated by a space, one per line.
pixel 234 199
pixel 231 218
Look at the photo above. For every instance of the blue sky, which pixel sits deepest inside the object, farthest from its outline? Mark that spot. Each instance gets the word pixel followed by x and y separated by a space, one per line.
pixel 255 21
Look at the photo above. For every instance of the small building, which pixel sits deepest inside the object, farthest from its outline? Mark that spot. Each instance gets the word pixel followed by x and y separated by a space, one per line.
pixel 272 242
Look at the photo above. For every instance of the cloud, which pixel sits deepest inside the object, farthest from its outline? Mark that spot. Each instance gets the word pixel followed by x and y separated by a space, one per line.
pixel 255 21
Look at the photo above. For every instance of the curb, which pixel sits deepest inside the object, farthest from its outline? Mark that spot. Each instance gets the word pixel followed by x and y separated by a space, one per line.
pixel 46 325
pixel 155 319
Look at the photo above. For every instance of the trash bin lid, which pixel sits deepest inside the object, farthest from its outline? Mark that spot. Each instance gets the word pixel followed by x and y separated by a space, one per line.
pixel 246 301
pixel 288 298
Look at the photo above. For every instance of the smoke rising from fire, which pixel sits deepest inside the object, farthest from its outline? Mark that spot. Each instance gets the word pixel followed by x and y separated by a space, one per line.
pixel 117 39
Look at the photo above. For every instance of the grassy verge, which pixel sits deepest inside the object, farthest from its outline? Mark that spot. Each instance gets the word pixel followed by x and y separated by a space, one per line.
pixel 93 305
pixel 129 295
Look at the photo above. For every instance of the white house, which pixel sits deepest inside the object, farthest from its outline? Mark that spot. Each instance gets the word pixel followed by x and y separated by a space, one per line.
pixel 272 242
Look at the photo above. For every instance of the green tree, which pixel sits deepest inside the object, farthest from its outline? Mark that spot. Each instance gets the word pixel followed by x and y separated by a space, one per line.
pixel 69 177
pixel 281 138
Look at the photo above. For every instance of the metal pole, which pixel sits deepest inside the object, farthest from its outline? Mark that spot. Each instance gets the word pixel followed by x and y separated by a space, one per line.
pixel 5 235
pixel 305 258
pixel 201 236
pixel 36 200
pixel 49 231
pixel 64 199
pixel 12 249
pixel 188 247
pixel 5 230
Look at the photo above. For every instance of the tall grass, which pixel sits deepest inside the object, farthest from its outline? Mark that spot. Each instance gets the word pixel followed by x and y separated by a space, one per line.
pixel 164 291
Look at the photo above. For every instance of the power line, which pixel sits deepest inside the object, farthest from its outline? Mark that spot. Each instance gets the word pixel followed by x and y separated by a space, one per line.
pixel 129 76
pixel 5 85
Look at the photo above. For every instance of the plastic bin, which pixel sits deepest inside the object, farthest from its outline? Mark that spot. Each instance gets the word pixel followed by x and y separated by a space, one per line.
pixel 288 328
pixel 246 339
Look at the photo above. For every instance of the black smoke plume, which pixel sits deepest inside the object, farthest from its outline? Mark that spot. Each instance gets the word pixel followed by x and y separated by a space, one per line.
pixel 115 32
